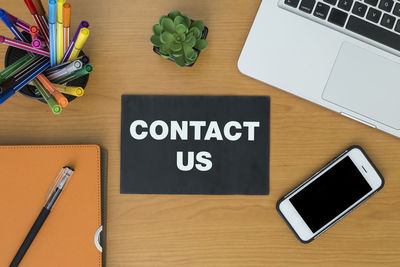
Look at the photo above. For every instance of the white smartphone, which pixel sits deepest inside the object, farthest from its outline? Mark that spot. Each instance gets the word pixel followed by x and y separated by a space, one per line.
pixel 330 194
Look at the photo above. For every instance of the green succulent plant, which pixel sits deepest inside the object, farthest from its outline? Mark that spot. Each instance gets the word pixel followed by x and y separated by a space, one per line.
pixel 179 38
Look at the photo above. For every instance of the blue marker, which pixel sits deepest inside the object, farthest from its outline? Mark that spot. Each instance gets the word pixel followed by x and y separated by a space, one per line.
pixel 53 31
pixel 13 29
pixel 28 78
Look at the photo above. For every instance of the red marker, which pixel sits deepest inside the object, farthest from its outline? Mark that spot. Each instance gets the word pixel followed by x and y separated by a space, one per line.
pixel 41 12
pixel 39 21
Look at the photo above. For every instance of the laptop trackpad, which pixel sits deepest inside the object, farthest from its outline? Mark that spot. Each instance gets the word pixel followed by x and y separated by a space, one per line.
pixel 365 83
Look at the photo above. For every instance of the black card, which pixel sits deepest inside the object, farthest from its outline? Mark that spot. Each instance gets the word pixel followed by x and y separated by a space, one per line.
pixel 195 145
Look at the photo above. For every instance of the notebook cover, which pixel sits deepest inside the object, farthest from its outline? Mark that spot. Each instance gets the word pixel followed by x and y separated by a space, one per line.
pixel 221 164
pixel 67 236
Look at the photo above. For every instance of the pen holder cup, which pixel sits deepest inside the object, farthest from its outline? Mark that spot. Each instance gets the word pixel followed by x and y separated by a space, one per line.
pixel 13 54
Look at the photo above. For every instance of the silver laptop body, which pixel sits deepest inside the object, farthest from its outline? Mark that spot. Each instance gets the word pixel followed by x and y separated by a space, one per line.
pixel 341 54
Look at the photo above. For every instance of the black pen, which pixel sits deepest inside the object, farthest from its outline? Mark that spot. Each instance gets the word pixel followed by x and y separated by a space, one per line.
pixel 53 194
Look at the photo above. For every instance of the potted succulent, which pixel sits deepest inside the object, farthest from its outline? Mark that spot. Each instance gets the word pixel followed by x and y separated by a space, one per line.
pixel 178 38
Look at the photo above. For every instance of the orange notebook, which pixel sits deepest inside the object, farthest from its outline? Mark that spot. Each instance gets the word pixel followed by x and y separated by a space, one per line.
pixel 73 233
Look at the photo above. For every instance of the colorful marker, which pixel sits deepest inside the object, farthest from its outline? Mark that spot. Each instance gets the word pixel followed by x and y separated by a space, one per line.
pixel 7 94
pixel 19 23
pixel 20 69
pixel 66 24
pixel 53 31
pixel 9 71
pixel 70 90
pixel 83 59
pixel 23 46
pixel 38 20
pixel 60 31
pixel 80 41
pixel 47 97
pixel 21 73
pixel 61 100
pixel 64 72
pixel 41 12
pixel 84 71
pixel 4 17
pixel 83 24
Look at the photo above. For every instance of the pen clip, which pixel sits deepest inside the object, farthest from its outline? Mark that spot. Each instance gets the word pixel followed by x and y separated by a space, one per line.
pixel 53 187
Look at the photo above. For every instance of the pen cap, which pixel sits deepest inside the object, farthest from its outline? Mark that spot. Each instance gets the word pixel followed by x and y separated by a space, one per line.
pixel 66 173
pixel 39 7
pixel 74 66
pixel 33 29
pixel 79 91
pixel 52 11
pixel 88 68
pixel 60 4
pixel 5 18
pixel 37 43
pixel 67 15
pixel 82 37
pixel 31 7
pixel 83 24
pixel 85 60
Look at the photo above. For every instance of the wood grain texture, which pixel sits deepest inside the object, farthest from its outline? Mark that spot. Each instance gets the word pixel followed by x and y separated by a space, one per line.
pixel 148 230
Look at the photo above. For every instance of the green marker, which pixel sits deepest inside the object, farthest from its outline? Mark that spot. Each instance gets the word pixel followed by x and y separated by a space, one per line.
pixel 22 68
pixel 6 73
pixel 88 68
pixel 49 99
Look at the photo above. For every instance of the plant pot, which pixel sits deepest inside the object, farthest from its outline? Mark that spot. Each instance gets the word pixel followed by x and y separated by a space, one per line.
pixel 203 36
pixel 13 54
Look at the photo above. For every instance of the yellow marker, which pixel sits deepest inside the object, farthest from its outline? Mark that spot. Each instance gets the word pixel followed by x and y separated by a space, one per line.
pixel 80 41
pixel 70 90
pixel 60 31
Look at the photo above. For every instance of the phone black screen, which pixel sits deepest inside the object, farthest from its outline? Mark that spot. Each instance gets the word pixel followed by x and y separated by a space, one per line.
pixel 330 194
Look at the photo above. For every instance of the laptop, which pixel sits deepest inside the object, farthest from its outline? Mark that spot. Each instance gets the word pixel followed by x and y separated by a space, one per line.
pixel 341 54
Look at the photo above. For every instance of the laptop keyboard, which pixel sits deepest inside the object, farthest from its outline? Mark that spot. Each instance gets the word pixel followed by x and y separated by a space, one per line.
pixel 376 20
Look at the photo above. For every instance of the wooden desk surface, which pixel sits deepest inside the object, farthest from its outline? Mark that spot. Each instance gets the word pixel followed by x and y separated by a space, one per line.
pixel 148 230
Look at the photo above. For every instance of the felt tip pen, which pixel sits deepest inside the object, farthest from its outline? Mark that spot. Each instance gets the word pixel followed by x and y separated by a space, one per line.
pixel 52 196
pixel 61 100
pixel 83 24
pixel 87 69
pixel 20 24
pixel 66 24
pixel 80 41
pixel 18 35
pixel 7 94
pixel 41 12
pixel 53 31
pixel 28 66
pixel 21 73
pixel 47 97
pixel 68 70
pixel 9 71
pixel 84 59
pixel 60 31
pixel 39 7
pixel 23 46
pixel 70 90
pixel 39 22
pixel 20 69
